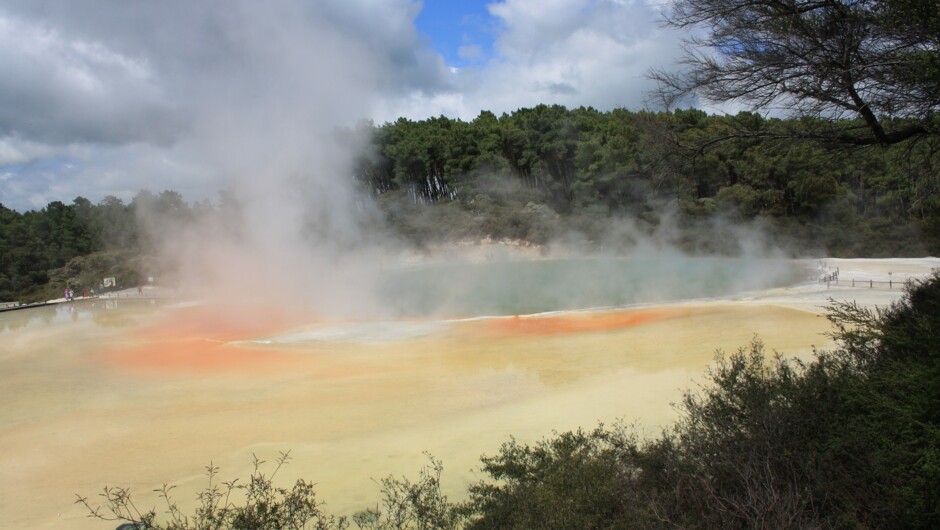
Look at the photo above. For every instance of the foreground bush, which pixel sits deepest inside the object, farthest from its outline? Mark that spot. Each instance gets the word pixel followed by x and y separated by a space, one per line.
pixel 261 506
pixel 849 440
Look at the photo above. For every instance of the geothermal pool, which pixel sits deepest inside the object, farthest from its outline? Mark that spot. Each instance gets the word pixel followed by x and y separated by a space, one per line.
pixel 511 287
pixel 129 393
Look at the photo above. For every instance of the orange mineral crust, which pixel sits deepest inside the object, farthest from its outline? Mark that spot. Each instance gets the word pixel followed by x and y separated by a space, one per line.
pixel 138 394
pixel 571 323
pixel 195 356
pixel 148 398
pixel 205 339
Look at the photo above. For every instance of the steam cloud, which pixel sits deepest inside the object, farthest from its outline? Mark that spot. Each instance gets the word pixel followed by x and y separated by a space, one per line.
pixel 266 122
pixel 251 94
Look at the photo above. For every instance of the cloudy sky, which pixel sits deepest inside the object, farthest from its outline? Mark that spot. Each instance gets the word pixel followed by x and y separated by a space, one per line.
pixel 106 97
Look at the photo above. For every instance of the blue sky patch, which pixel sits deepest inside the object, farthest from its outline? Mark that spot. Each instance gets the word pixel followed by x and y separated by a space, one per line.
pixel 460 30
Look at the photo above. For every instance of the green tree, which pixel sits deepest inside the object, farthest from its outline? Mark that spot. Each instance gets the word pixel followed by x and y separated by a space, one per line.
pixel 820 58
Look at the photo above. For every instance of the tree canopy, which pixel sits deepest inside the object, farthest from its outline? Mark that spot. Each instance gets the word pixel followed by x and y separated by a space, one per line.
pixel 549 172
pixel 873 62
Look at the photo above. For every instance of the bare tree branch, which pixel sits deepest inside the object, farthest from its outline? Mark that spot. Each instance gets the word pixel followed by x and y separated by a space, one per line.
pixel 818 58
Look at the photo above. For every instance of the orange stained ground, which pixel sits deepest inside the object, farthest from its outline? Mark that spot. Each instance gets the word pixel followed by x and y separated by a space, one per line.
pixel 209 339
pixel 139 398
pixel 576 322
pixel 200 339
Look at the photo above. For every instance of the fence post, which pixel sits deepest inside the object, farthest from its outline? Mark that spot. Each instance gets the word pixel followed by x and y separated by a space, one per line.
pixel 853 282
pixel 871 284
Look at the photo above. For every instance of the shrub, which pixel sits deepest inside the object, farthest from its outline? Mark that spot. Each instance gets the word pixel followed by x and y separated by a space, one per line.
pixel 263 507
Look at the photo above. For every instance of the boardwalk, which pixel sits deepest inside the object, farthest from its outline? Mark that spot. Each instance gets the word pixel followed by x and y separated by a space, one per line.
pixel 146 292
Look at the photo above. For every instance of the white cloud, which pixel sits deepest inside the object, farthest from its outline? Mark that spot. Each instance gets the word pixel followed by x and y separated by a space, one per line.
pixel 56 88
pixel 242 90
pixel 210 92
pixel 11 153
pixel 570 52
pixel 16 151
pixel 470 52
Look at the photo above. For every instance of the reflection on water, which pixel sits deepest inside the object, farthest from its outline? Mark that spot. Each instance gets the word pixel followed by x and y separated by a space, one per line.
pixel 103 312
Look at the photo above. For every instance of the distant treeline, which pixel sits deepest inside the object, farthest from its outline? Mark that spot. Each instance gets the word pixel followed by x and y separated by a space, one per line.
pixel 537 172
pixel 548 172
pixel 95 240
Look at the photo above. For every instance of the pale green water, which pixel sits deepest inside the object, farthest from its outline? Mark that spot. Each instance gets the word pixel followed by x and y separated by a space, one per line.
pixel 525 287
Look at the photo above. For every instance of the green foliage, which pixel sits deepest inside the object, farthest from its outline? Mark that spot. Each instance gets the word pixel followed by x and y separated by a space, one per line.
pixel 262 506
pixel 873 60
pixel 77 245
pixel 546 172
pixel 586 166
pixel 408 505
pixel 575 480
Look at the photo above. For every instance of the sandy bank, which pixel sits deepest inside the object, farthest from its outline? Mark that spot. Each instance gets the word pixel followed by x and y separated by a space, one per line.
pixel 137 397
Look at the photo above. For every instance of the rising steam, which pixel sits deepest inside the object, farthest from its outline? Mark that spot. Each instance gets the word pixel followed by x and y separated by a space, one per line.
pixel 290 231
pixel 287 231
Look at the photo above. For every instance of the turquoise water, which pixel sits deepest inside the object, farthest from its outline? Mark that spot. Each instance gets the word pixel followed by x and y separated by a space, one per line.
pixel 525 287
